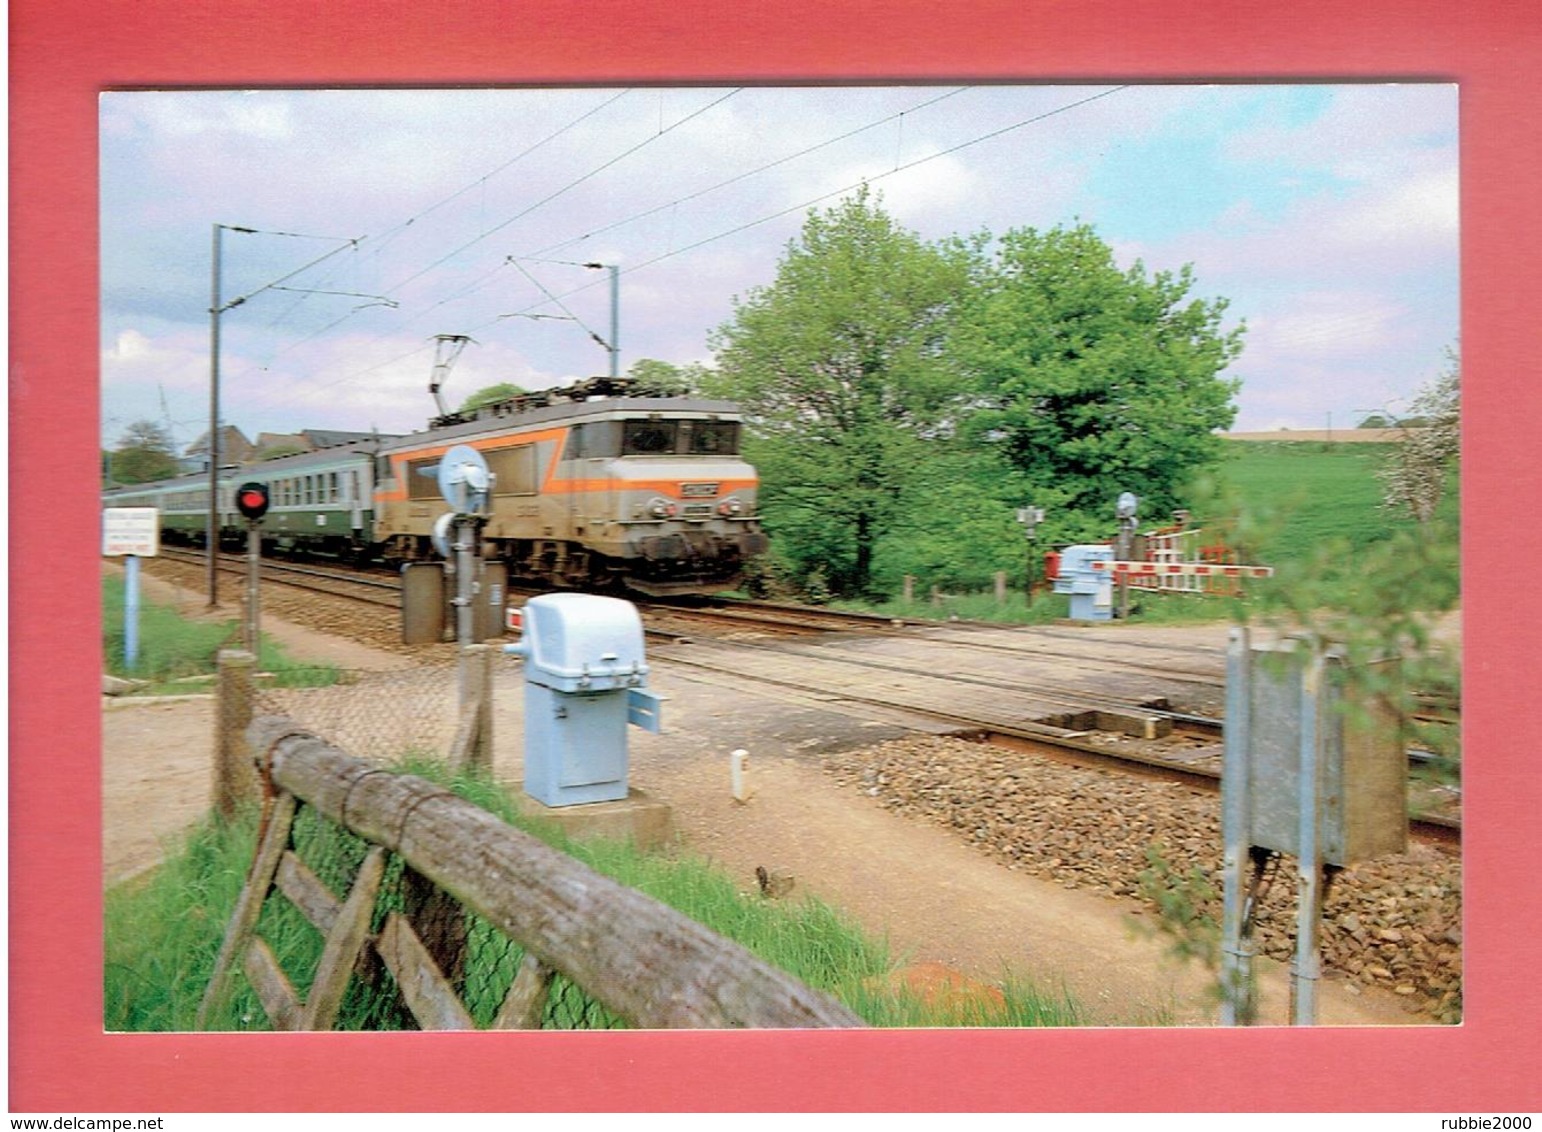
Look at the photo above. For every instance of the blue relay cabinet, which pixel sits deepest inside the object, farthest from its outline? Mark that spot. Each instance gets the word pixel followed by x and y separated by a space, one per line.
pixel 586 678
pixel 1092 591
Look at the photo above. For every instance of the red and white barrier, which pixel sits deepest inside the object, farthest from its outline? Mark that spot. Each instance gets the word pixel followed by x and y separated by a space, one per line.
pixel 1170 569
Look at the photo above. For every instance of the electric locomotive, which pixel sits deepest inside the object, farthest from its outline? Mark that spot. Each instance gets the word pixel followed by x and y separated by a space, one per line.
pixel 594 487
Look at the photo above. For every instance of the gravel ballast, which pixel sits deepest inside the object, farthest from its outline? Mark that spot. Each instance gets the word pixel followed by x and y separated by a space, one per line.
pixel 1393 923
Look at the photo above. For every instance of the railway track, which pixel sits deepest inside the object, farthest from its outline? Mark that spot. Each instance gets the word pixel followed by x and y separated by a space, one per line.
pixel 1121 730
pixel 333 581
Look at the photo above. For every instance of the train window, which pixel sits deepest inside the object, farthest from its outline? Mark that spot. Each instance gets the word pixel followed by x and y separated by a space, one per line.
pixel 648 438
pixel 712 438
pixel 514 469
pixel 423 486
pixel 383 476
pixel 596 440
pixel 331 487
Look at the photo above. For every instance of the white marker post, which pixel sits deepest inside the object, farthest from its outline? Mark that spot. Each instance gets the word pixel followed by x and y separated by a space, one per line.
pixel 131 533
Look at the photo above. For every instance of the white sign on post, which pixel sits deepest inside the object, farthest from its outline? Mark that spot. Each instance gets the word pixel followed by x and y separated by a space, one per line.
pixel 131 530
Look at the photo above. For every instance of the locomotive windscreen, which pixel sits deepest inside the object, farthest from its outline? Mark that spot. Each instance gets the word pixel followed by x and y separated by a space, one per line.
pixel 680 438
pixel 648 438
pixel 712 438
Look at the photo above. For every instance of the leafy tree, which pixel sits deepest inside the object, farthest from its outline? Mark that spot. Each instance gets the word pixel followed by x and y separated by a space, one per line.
pixel 145 452
pixel 840 369
pixel 1420 469
pixel 491 394
pixel 957 523
pixel 1092 380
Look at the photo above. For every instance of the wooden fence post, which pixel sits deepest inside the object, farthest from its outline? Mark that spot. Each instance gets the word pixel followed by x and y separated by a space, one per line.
pixel 472 749
pixel 1001 587
pixel 910 588
pixel 235 778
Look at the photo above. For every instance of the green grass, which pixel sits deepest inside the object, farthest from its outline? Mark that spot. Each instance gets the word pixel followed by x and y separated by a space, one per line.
pixel 164 931
pixel 1309 494
pixel 174 650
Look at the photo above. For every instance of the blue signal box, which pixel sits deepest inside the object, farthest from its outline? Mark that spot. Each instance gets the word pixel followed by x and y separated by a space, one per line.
pixel 586 678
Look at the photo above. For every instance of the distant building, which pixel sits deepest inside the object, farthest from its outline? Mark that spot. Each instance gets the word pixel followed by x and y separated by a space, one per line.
pixel 232 448
pixel 236 449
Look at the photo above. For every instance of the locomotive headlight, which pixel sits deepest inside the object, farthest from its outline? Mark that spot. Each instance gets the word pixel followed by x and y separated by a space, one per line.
pixel 729 508
pixel 661 509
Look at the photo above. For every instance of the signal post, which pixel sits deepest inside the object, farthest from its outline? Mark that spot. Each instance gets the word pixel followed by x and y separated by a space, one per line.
pixel 252 501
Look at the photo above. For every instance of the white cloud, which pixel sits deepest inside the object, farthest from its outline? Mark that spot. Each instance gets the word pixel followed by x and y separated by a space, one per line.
pixel 1326 324
pixel 1419 212
pixel 254 114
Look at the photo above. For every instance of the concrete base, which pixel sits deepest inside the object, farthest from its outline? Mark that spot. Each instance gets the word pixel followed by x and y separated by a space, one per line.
pixel 647 823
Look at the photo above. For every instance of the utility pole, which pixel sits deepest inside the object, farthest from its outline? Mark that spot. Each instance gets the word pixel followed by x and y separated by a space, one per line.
pixel 614 345
pixel 215 310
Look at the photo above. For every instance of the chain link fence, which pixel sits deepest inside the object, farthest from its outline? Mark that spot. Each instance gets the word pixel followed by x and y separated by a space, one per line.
pixel 380 716
pixel 477 959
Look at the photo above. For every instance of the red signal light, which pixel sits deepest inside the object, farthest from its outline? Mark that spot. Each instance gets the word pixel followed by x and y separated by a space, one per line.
pixel 252 500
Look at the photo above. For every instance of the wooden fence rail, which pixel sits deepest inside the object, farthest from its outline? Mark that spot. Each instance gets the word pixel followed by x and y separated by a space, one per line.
pixel 638 958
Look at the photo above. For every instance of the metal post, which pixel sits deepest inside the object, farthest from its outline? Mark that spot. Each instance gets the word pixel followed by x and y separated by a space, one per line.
pixel 130 611
pixel 213 532
pixel 253 592
pixel 614 345
pixel 1237 1006
pixel 1307 968
pixel 1124 550
pixel 615 320
pixel 465 599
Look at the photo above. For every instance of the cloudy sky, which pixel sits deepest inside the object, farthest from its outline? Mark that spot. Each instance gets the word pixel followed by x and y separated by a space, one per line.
pixel 1326 215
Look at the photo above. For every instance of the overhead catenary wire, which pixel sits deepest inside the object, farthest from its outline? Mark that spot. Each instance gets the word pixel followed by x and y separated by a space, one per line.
pixel 488 276
pixel 858 184
pixel 571 185
pixel 806 151
pixel 695 245
pixel 498 227
pixel 378 243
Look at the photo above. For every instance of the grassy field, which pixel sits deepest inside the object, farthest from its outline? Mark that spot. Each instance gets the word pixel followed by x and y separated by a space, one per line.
pixel 1308 494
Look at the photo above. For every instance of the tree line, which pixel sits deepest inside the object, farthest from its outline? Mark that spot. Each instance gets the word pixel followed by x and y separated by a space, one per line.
pixel 905 398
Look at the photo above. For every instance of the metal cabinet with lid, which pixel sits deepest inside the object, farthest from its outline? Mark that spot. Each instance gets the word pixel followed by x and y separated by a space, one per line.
pixel 1091 591
pixel 586 678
